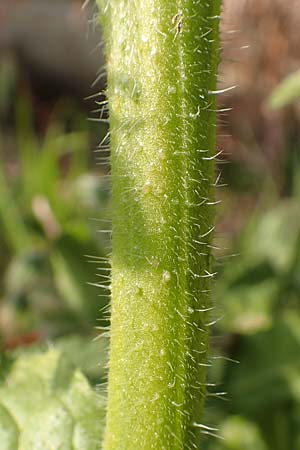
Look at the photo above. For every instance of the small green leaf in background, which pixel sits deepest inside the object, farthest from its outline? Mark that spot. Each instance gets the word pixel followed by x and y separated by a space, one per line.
pixel 286 92
pixel 239 433
pixel 46 404
pixel 276 377
pixel 265 275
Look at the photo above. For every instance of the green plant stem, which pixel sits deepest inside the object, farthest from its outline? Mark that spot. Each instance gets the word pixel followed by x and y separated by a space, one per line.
pixel 162 58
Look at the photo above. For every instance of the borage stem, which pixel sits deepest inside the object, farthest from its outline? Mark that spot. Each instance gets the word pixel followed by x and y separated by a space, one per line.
pixel 162 58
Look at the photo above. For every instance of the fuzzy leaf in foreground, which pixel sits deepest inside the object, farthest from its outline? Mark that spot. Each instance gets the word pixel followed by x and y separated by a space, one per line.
pixel 46 404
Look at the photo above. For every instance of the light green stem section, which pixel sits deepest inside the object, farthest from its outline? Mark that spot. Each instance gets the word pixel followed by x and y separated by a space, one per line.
pixel 162 58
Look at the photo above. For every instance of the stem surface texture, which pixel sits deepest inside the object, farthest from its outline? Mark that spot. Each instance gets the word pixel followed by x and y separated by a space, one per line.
pixel 162 58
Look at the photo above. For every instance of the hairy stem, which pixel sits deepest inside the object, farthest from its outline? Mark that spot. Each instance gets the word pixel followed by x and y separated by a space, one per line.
pixel 162 58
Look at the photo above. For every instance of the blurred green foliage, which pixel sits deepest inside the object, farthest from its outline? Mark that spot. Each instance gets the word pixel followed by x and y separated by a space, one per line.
pixel 51 207
pixel 258 363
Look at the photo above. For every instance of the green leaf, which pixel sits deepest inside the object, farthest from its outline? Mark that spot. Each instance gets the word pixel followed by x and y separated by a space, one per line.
pixel 286 92
pixel 248 307
pixel 240 434
pixel 13 227
pixel 281 226
pixel 46 404
pixel 266 272
pixel 87 354
pixel 263 379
